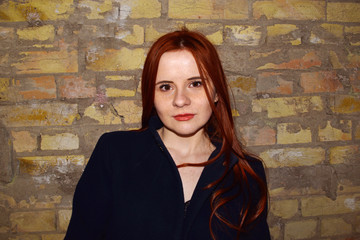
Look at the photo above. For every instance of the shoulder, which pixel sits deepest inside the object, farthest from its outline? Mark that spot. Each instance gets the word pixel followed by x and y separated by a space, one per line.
pixel 257 165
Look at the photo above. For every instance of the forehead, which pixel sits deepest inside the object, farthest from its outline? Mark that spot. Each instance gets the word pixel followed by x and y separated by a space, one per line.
pixel 177 63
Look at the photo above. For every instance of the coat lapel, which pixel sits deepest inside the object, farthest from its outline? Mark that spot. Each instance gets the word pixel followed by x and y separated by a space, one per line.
pixel 202 194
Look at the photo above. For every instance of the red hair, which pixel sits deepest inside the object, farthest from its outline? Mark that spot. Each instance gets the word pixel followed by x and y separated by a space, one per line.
pixel 220 126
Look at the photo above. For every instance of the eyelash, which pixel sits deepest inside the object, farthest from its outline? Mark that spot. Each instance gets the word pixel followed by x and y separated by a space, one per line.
pixel 163 87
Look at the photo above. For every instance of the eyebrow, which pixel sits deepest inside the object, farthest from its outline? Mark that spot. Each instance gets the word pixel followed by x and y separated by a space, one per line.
pixel 167 81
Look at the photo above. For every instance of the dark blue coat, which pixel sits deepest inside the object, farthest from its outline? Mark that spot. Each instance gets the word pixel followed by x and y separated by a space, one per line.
pixel 131 190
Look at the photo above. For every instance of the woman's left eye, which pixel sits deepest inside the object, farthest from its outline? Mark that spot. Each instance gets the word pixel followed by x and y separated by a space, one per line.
pixel 196 84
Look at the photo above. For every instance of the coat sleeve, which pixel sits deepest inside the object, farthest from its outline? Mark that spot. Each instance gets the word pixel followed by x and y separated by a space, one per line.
pixel 92 198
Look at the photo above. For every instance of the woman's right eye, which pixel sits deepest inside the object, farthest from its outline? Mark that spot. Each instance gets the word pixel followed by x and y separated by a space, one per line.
pixel 165 87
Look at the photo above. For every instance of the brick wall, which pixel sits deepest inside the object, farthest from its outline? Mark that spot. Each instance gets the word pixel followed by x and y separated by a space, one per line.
pixel 70 70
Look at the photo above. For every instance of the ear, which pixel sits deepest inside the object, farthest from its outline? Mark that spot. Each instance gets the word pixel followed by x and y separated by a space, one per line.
pixel 216 98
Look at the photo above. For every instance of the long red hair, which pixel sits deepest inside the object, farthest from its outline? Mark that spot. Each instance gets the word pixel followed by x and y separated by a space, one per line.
pixel 220 126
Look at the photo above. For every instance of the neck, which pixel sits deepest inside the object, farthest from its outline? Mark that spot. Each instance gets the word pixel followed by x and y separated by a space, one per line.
pixel 186 145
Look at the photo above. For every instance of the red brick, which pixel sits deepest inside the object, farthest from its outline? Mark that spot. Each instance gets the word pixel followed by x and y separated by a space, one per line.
pixel 271 82
pixel 76 87
pixel 256 136
pixel 36 87
pixel 320 82
pixel 309 60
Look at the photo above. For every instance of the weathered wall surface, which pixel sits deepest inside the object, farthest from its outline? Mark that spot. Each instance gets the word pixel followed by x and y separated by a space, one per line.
pixel 70 70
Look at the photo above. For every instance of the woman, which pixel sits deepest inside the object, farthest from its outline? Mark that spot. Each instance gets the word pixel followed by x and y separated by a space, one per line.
pixel 183 175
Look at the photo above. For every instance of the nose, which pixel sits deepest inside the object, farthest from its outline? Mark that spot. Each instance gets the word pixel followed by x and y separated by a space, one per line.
pixel 181 98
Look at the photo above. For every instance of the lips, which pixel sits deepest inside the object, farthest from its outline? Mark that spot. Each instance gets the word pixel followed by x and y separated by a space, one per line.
pixel 184 117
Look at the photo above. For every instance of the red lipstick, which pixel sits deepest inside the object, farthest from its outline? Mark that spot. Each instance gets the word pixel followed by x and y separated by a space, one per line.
pixel 184 117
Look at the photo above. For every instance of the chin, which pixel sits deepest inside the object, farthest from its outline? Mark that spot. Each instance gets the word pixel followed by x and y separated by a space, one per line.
pixel 185 132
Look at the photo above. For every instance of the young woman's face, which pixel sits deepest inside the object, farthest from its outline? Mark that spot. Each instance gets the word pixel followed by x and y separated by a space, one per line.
pixel 180 98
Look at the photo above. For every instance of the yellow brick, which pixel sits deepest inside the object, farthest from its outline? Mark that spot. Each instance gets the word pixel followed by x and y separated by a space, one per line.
pixel 288 133
pixel 24 141
pixel 115 92
pixel 212 31
pixel 134 38
pixel 319 206
pixel 4 89
pixel 47 62
pixel 352 33
pixel 335 61
pixel 293 157
pixel 247 84
pixel 284 107
pixel 205 9
pixel 275 232
pixel 5 63
pixel 4 229
pixel 140 9
pixel 13 11
pixel 256 55
pixel 348 187
pixel 119 78
pixel 103 115
pixel 43 33
pixel 63 141
pixel 286 192
pixel 26 237
pixel 352 29
pixel 151 34
pixel 345 104
pixel 243 35
pixel 216 38
pixel 344 154
pixel 64 219
pixel 335 29
pixel 357 132
pixel 97 9
pixel 41 221
pixel 7 201
pixel 300 229
pixel 334 227
pixel 280 29
pixel 43 45
pixel 40 164
pixel 332 133
pixel 284 208
pixel 343 12
pixel 283 33
pixel 52 236
pixel 290 9
pixel 39 114
pixel 116 60
pixel 327 33
pixel 130 110
pixel 47 202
